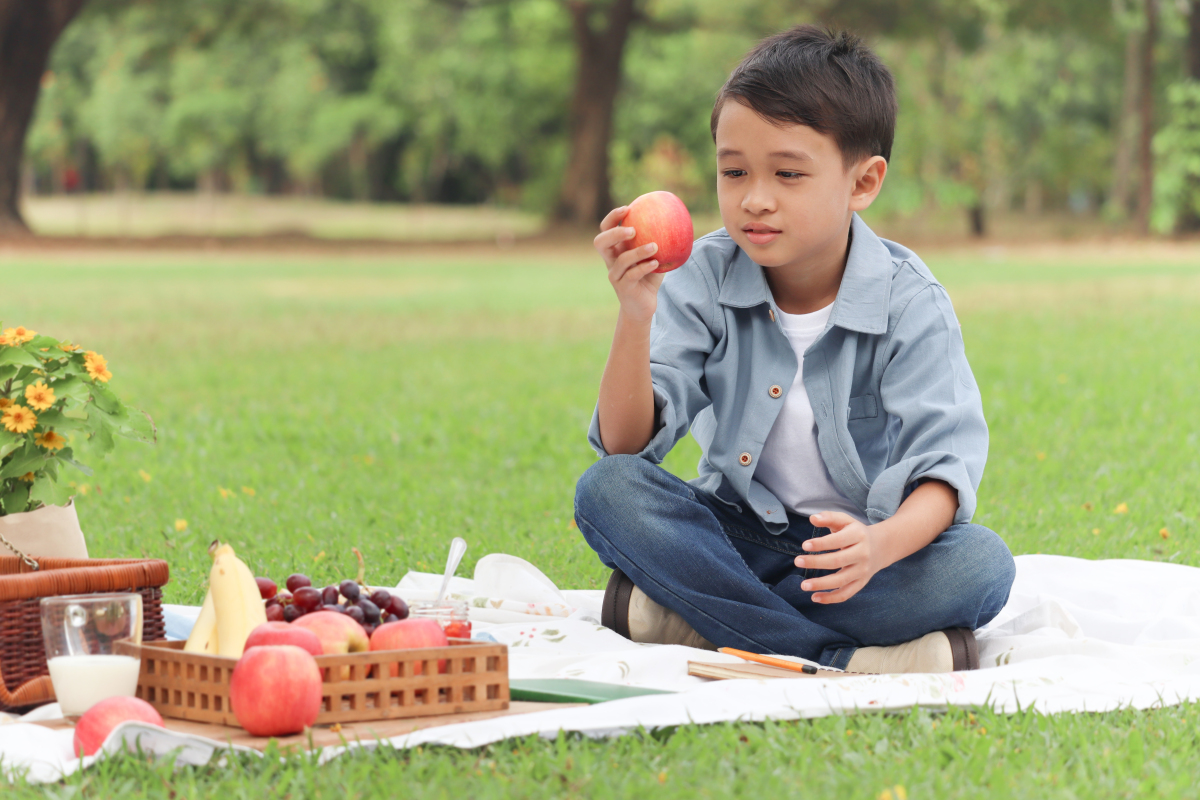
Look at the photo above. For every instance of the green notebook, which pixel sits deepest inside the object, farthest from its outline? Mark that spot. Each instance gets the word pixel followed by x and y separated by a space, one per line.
pixel 566 690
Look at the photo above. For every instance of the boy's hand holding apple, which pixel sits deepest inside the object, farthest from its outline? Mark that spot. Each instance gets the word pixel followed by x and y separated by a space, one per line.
pixel 631 270
pixel 640 241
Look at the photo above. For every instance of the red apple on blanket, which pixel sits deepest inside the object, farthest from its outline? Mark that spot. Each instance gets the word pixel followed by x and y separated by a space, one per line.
pixel 275 690
pixel 407 634
pixel 662 218
pixel 99 720
pixel 271 633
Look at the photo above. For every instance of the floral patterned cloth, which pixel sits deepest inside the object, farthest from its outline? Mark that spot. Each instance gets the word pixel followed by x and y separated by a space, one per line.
pixel 1076 635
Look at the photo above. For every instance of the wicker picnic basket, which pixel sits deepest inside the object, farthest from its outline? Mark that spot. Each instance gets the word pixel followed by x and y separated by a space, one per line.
pixel 24 676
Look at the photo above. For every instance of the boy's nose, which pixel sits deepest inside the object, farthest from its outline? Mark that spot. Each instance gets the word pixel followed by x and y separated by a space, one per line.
pixel 758 201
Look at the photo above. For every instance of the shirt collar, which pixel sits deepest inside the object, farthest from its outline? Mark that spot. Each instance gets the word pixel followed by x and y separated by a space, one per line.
pixel 862 300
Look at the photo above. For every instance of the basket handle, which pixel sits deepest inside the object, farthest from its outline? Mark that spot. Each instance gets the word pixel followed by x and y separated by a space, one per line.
pixel 29 562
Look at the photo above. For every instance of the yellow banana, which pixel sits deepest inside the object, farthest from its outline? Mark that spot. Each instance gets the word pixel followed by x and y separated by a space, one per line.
pixel 236 599
pixel 203 638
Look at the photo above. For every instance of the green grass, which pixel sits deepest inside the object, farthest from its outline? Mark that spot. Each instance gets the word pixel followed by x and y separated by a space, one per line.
pixel 393 402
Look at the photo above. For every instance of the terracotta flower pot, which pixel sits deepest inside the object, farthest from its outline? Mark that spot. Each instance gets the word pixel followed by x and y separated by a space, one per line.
pixel 48 532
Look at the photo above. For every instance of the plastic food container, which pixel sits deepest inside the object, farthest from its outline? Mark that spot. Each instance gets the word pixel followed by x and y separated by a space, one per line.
pixel 451 615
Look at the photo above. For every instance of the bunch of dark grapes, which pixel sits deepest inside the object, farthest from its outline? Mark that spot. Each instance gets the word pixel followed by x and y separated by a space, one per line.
pixel 369 610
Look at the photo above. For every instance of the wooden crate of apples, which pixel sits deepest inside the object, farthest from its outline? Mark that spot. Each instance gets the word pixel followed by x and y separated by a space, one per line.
pixel 277 662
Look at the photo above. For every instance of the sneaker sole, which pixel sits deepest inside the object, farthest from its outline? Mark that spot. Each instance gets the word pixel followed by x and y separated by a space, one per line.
pixel 614 614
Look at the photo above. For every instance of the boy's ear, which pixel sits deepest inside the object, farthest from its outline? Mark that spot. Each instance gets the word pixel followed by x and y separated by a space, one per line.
pixel 868 177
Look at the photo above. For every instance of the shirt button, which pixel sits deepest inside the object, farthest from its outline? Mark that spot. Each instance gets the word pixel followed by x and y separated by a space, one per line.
pixel 775 391
pixel 744 459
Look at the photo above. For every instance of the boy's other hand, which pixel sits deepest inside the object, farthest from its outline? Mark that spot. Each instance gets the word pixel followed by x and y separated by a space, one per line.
pixel 850 547
pixel 636 284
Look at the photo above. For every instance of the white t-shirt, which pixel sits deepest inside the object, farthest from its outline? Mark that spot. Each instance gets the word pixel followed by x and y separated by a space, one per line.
pixel 790 464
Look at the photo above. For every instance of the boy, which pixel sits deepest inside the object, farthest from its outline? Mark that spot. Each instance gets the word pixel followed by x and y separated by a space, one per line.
pixel 822 371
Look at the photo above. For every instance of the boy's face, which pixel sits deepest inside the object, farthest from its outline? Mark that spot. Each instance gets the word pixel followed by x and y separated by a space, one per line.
pixel 786 197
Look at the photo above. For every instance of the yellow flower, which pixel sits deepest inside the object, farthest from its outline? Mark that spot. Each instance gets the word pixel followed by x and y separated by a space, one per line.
pixel 19 419
pixel 51 441
pixel 18 335
pixel 144 475
pixel 39 395
pixel 1166 534
pixel 4 339
pixel 67 347
pixel 5 403
pixel 249 491
pixel 84 489
pixel 181 525
pixel 1123 508
pixel 225 493
pixel 1095 531
pixel 96 366
pixel 28 477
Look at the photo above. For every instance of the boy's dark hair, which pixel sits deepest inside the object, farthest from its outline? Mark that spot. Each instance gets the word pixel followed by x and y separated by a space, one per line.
pixel 824 79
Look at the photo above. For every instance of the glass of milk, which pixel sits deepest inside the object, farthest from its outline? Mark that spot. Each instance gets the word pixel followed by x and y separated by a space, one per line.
pixel 79 632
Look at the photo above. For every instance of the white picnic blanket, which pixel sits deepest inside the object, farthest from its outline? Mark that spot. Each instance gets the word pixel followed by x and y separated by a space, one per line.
pixel 1076 635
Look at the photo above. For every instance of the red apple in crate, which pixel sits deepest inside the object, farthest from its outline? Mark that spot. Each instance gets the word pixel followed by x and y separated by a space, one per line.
pixel 407 634
pixel 338 633
pixel 270 633
pixel 662 218
pixel 275 690
pixel 99 720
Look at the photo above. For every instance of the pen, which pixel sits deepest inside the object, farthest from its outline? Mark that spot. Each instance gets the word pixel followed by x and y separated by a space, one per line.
pixel 807 669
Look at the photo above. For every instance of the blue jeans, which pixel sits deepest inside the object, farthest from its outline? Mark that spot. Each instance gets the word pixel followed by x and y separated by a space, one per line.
pixel 738 587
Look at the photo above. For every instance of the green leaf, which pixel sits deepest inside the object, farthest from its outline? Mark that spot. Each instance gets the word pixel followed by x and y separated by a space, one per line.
pixel 48 492
pixel 40 341
pixel 140 426
pixel 104 398
pixel 30 459
pixel 73 388
pixel 18 357
pixel 15 498
pixel 60 422
pixel 75 413
pixel 6 373
pixel 68 457
pixel 9 442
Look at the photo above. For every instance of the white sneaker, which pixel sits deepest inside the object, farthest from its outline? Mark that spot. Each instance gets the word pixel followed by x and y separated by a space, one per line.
pixel 951 650
pixel 631 613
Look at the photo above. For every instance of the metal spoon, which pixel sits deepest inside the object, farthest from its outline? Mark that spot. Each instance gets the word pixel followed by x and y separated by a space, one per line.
pixel 458 548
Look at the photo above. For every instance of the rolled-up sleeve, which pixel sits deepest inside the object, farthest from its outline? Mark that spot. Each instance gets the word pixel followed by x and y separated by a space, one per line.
pixel 682 335
pixel 936 413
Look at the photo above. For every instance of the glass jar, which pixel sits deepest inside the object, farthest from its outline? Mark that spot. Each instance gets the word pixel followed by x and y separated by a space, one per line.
pixel 450 614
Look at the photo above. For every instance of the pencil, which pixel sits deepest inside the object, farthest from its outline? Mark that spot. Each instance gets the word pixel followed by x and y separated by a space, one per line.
pixel 807 669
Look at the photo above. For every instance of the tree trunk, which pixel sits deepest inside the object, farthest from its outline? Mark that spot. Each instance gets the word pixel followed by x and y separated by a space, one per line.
pixel 1146 120
pixel 28 30
pixel 1189 215
pixel 585 196
pixel 977 220
pixel 1126 139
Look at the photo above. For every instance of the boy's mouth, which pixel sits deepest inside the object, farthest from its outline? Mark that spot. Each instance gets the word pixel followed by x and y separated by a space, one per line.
pixel 759 233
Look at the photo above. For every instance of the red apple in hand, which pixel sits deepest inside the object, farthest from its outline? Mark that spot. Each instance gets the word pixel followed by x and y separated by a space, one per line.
pixel 662 218
pixel 271 633
pixel 275 690
pixel 99 720
pixel 407 634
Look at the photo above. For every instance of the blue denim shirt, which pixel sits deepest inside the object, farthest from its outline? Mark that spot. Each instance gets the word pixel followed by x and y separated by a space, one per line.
pixel 891 390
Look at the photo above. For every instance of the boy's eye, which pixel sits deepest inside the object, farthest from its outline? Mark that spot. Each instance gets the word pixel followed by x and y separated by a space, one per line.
pixel 784 174
pixel 733 173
